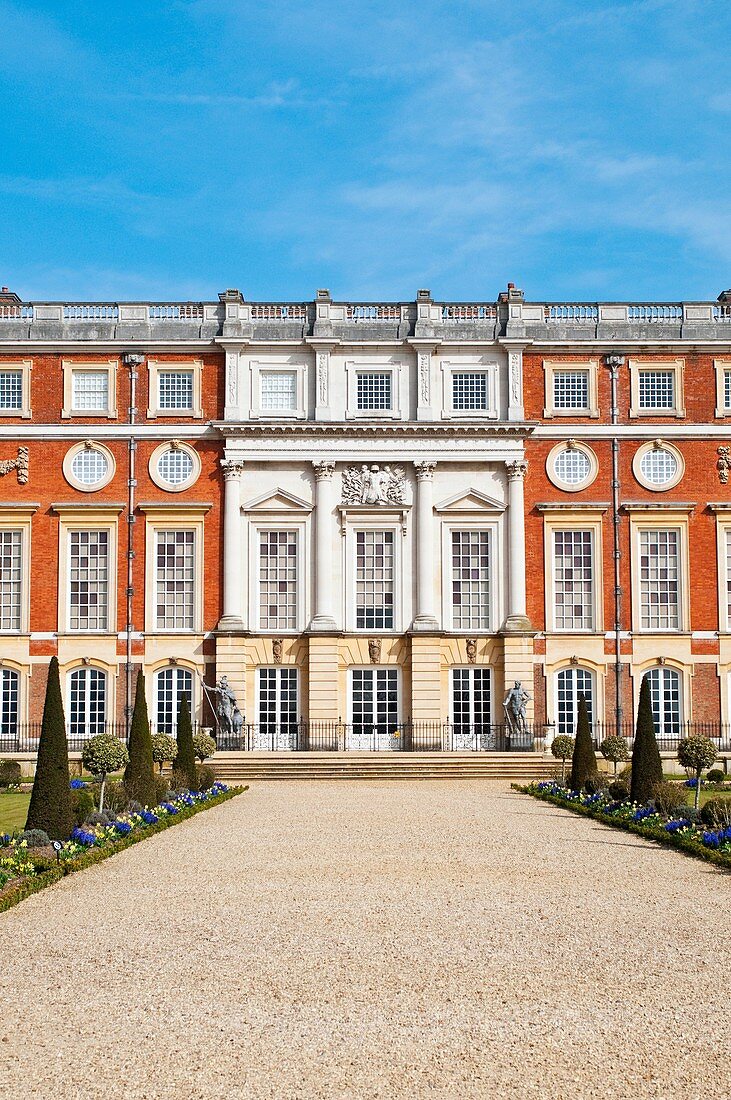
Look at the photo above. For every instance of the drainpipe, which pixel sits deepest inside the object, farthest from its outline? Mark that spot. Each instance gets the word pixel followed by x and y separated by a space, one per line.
pixel 614 362
pixel 131 362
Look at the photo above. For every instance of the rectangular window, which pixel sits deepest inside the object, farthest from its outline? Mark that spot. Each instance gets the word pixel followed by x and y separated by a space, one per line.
pixel 374 700
pixel 727 389
pixel 278 391
pixel 470 580
pixel 573 578
pixel 175 578
pixel 277 702
pixel 9 685
pixel 278 580
pixel 571 389
pixel 659 580
pixel 469 390
pixel 175 389
pixel 373 390
pixel 89 580
pixel 10 579
pixel 172 685
pixel 90 391
pixel 656 389
pixel 374 580
pixel 11 389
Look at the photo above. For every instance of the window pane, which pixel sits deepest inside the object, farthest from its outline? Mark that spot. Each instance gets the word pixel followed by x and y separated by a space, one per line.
pixel 569 684
pixel 659 580
pixel 374 580
pixel 469 390
pixel 375 698
pixel 279 390
pixel 471 580
pixel 10 579
pixel 471 704
pixel 278 580
pixel 90 390
pixel 175 389
pixel 374 391
pixel 573 580
pixel 571 466
pixel 657 389
pixel 658 466
pixel 89 466
pixel 175 580
pixel 277 698
pixel 727 389
pixel 172 684
pixel 89 580
pixel 665 698
pixel 9 684
pixel 175 466
pixel 11 389
pixel 571 389
pixel 88 703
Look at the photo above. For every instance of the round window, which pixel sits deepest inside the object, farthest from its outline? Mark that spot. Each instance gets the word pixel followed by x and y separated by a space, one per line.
pixel 658 465
pixel 90 466
pixel 174 466
pixel 571 466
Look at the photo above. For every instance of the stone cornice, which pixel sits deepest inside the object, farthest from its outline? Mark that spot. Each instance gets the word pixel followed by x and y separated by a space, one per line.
pixel 350 429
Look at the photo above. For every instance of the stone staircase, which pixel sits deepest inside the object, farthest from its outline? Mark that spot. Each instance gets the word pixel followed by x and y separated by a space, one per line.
pixel 241 767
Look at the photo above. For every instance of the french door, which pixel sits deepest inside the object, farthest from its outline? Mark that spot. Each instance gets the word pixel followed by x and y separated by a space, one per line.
pixel 374 708
pixel 277 705
pixel 472 709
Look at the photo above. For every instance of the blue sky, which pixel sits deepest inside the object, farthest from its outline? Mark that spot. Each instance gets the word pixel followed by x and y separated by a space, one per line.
pixel 581 150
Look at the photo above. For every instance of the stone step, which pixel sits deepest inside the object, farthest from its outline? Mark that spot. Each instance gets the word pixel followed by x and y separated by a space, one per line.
pixel 239 767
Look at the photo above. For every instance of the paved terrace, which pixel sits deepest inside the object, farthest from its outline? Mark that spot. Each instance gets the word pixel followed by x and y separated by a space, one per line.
pixel 373 940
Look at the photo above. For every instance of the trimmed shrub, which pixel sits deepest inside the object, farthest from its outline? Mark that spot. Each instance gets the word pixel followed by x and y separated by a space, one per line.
pixel 115 795
pixel 619 790
pixel 562 747
pixel 139 775
pixel 715 775
pixel 35 838
pixel 82 804
pixel 10 773
pixel 180 781
pixel 185 760
pixel 583 760
pixel 203 746
pixel 625 776
pixel 716 813
pixel 100 756
pixel 615 750
pixel 162 788
pixel 596 782
pixel 695 754
pixel 205 778
pixel 646 762
pixel 50 803
pixel 669 798
pixel 164 749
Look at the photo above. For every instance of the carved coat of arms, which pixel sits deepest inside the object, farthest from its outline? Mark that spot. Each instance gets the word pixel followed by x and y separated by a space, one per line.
pixel 374 485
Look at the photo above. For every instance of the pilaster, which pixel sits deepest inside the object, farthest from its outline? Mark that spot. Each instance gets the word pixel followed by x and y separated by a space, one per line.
pixel 426 687
pixel 323 683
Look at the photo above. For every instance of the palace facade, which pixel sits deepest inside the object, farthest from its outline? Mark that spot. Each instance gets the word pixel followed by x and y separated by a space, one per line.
pixel 372 518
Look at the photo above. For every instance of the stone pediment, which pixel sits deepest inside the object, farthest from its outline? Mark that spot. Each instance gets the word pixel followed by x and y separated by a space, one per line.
pixel 470 500
pixel 277 500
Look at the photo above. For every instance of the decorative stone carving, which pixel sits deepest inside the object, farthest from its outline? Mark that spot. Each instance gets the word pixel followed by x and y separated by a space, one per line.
pixel 374 650
pixel 232 370
pixel 323 470
pixel 322 380
pixel 724 464
pixel 516 470
pixel 373 485
pixel 515 377
pixel 471 650
pixel 424 379
pixel 424 470
pixel 277 646
pixel 20 464
pixel 232 467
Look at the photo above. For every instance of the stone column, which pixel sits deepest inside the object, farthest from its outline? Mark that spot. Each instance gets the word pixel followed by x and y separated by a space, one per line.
pixel 323 618
pixel 517 618
pixel 425 619
pixel 233 556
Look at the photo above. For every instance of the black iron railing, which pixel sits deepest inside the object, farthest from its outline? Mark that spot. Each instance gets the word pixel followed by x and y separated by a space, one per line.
pixel 24 737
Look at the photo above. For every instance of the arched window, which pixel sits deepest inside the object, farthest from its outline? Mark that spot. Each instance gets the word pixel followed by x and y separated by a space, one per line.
pixel 665 697
pixel 570 682
pixel 87 703
pixel 9 687
pixel 171 684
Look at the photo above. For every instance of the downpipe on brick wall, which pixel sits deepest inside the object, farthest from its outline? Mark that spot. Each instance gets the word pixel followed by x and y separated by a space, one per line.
pixel 131 361
pixel 614 362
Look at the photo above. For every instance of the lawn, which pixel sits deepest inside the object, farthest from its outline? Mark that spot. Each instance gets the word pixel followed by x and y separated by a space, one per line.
pixel 13 810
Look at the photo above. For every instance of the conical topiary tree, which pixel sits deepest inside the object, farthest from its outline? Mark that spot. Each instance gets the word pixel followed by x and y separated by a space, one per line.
pixel 50 802
pixel 583 760
pixel 139 775
pixel 185 760
pixel 646 762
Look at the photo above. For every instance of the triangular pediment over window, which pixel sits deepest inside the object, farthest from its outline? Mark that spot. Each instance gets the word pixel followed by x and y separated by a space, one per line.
pixel 470 500
pixel 277 500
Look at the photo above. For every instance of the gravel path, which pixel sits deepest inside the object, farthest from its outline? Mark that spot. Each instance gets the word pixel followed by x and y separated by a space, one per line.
pixel 366 939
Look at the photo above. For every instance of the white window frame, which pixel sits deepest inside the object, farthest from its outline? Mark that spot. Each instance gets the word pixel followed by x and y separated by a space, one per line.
pixel 550 367
pixel 471 669
pixel 373 668
pixel 68 466
pixel 109 687
pixel 86 518
pixel 571 445
pixel 174 444
pixel 276 522
pixel 19 518
pixel 374 523
pixel 590 520
pixel 23 367
pixel 472 365
pixel 22 681
pixel 496 593
pixel 666 520
pixel 683 692
pixel 646 448
pixel 582 666
pixel 297 367
pixel 723 532
pixel 257 691
pixel 722 367
pixel 71 367
pixel 156 367
pixel 637 366
pixel 373 366
pixel 189 517
pixel 152 691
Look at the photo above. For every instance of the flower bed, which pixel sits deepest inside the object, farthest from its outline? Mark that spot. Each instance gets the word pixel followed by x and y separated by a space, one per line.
pixel 24 871
pixel 645 821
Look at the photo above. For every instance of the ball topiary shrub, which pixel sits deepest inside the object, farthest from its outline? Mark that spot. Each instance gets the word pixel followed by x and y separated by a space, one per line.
pixel 204 746
pixel 82 804
pixel 162 788
pixel 562 747
pixel 715 775
pixel 164 749
pixel 10 773
pixel 593 784
pixel 206 777
pixel 668 798
pixel 115 796
pixel 695 754
pixel 615 750
pixel 35 838
pixel 716 813
pixel 619 790
pixel 100 756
